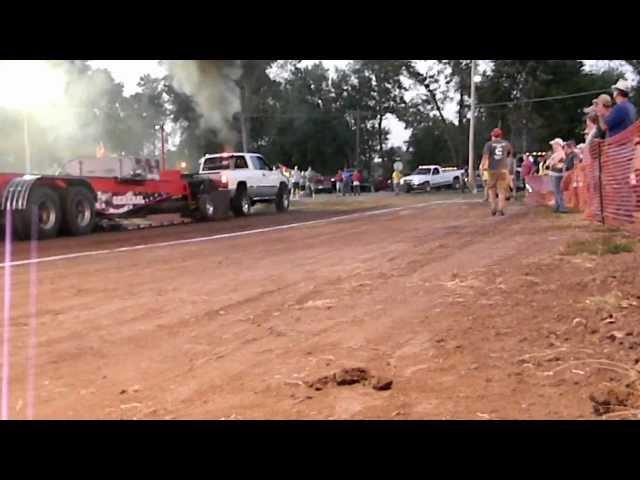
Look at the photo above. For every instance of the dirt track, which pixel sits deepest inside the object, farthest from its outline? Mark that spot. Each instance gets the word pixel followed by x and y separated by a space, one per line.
pixel 439 298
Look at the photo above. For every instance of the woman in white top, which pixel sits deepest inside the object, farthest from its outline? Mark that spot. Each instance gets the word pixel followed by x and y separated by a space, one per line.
pixel 556 171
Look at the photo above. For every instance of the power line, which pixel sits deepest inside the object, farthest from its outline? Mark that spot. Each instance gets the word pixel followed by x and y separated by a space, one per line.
pixel 540 99
pixel 303 115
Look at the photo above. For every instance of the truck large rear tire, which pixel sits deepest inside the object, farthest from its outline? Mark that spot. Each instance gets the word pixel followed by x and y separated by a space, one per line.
pixel 282 199
pixel 79 211
pixel 206 207
pixel 241 203
pixel 43 213
pixel 213 205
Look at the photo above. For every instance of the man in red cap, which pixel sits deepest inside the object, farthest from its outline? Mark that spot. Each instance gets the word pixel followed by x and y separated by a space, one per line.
pixel 496 156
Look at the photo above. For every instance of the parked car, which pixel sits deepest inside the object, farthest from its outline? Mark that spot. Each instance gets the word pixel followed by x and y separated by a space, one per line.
pixel 324 184
pixel 381 184
pixel 427 177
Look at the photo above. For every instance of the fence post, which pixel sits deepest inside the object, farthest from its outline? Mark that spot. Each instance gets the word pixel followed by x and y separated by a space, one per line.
pixel 600 181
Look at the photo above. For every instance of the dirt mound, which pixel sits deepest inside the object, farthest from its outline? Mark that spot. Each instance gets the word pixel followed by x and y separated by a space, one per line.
pixel 351 376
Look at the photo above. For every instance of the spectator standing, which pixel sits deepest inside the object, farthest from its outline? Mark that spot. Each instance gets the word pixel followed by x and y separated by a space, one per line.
pixel 569 184
pixel 556 171
pixel 297 182
pixel 528 168
pixel 495 160
pixel 601 106
pixel 592 126
pixel 396 177
pixel 357 180
pixel 346 182
pixel 339 182
pixel 623 115
pixel 311 182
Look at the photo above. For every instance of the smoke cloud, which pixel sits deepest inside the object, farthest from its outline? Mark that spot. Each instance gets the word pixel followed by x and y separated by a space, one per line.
pixel 212 85
pixel 70 108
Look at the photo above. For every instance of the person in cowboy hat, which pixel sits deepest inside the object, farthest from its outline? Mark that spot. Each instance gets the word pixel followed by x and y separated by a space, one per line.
pixel 496 156
pixel 557 168
pixel 623 114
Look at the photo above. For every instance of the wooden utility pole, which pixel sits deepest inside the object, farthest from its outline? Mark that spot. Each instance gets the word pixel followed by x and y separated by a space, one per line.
pixel 243 129
pixel 472 122
pixel 163 156
pixel 357 157
pixel 243 120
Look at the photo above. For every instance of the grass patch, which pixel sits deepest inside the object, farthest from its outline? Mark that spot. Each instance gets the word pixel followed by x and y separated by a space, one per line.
pixel 607 245
pixel 548 212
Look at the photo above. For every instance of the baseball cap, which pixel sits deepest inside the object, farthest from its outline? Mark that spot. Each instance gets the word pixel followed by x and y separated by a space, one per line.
pixel 623 85
pixel 603 99
pixel 556 140
pixel 496 132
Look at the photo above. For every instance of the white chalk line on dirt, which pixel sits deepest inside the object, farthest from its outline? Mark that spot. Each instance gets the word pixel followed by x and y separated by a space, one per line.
pixel 220 236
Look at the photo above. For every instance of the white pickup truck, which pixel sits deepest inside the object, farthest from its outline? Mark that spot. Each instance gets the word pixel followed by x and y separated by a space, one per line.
pixel 249 179
pixel 427 177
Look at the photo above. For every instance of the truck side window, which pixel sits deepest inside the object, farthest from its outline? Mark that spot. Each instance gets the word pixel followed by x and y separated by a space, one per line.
pixel 240 162
pixel 266 164
pixel 259 163
pixel 436 171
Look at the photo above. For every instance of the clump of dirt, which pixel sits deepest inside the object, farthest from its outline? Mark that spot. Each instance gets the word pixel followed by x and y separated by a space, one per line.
pixel 321 383
pixel 351 376
pixel 614 399
pixel 382 383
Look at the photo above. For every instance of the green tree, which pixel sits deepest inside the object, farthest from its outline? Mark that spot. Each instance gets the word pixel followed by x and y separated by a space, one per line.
pixel 308 127
pixel 530 125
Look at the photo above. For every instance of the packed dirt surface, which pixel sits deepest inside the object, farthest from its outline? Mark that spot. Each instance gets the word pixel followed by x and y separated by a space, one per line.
pixel 423 311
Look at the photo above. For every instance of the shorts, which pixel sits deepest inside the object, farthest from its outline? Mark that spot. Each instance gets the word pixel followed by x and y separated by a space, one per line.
pixel 498 179
pixel 295 186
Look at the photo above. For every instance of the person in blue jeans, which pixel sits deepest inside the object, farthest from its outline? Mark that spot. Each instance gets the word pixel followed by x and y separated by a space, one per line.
pixel 346 182
pixel 556 172
pixel 623 114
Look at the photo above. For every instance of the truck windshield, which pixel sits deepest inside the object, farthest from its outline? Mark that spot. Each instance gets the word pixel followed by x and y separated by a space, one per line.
pixel 223 163
pixel 422 171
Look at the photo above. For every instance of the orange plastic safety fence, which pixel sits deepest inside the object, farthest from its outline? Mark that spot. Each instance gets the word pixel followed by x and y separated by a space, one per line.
pixel 605 185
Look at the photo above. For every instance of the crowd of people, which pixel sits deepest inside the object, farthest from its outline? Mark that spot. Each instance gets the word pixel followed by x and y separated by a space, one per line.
pixel 347 182
pixel 603 120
